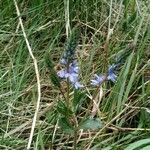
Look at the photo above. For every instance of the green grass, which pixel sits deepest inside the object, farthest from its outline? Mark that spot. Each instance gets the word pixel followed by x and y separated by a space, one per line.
pixel 125 105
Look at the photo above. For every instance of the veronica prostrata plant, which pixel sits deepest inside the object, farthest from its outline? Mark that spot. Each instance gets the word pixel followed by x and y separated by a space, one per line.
pixel 69 104
pixel 74 95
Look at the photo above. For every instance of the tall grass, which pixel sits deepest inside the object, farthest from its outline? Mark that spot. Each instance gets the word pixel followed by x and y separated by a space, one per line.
pixel 109 30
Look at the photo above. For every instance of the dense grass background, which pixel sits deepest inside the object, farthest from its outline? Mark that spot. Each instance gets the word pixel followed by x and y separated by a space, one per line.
pixel 125 106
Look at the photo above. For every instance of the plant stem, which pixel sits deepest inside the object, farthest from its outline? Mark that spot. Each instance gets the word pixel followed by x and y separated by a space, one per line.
pixel 68 101
pixel 60 88
pixel 75 133
pixel 75 139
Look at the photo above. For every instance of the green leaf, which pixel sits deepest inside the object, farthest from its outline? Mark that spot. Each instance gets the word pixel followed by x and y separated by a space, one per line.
pixel 63 109
pixel 126 3
pixel 91 123
pixel 138 144
pixel 146 148
pixel 79 97
pixel 123 79
pixel 65 125
pixel 53 75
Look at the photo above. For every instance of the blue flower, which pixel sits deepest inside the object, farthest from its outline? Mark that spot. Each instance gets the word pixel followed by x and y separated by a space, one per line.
pixel 111 75
pixel 78 85
pixel 112 68
pixel 72 74
pixel 98 79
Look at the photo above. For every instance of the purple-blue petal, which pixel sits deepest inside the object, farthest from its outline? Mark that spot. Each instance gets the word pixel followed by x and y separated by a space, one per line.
pixel 77 85
pixel 112 68
pixel 73 67
pixel 112 77
pixel 94 82
pixel 63 61
pixel 111 72
pixel 73 78
pixel 98 79
pixel 61 73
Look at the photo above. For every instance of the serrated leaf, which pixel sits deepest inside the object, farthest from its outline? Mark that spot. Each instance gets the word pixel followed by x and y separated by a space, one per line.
pixel 138 144
pixel 91 123
pixel 65 125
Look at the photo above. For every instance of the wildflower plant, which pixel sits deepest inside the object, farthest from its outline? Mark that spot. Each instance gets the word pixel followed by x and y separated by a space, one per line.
pixel 70 104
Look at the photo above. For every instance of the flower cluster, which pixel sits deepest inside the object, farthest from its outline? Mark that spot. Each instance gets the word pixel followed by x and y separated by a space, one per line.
pixel 71 72
pixel 99 79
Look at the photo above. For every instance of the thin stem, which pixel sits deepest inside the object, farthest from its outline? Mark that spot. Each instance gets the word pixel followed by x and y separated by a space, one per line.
pixel 66 3
pixel 62 93
pixel 75 132
pixel 68 86
pixel 75 139
pixel 106 45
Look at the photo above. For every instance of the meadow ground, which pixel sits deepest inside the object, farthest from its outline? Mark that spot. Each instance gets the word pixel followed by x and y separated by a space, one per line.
pixel 110 31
